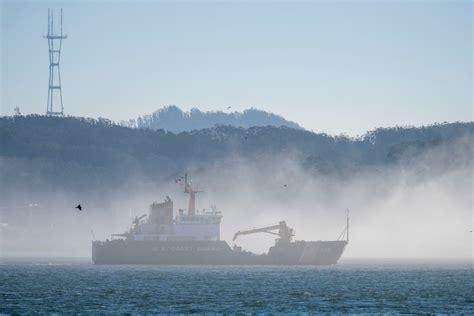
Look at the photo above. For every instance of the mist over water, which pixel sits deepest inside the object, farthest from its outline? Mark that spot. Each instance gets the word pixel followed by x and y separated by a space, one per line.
pixel 421 209
pixel 414 208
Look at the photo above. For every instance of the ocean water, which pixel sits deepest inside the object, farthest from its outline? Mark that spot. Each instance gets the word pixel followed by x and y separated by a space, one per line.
pixel 77 286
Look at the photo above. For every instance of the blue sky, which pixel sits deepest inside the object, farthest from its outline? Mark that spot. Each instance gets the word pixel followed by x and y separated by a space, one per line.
pixel 331 66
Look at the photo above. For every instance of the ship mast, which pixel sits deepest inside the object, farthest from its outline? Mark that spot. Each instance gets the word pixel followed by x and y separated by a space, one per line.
pixel 192 196
pixel 345 231
pixel 347 226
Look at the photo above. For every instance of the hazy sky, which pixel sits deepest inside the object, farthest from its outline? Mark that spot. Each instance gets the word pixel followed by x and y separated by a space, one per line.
pixel 335 67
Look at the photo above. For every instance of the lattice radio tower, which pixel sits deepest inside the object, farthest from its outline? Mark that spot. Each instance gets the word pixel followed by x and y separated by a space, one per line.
pixel 55 41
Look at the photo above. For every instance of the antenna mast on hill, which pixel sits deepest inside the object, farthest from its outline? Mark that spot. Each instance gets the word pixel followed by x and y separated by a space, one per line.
pixel 55 94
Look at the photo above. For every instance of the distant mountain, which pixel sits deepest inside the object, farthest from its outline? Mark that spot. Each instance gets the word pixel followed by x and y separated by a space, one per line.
pixel 173 119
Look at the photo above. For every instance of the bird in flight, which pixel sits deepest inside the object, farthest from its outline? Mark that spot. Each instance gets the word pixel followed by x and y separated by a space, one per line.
pixel 228 108
pixel 284 185
pixel 79 207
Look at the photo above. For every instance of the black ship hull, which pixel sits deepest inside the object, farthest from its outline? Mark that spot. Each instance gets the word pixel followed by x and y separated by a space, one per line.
pixel 214 253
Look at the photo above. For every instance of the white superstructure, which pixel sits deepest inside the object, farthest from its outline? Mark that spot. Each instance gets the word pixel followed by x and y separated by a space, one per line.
pixel 161 224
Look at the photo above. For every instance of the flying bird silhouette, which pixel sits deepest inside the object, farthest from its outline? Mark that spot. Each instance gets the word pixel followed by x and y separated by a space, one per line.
pixel 79 207
pixel 228 108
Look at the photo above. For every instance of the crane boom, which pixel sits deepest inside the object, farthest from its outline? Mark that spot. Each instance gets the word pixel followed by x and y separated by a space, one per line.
pixel 284 233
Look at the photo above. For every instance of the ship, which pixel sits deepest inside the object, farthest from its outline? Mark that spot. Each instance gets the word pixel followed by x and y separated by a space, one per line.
pixel 193 238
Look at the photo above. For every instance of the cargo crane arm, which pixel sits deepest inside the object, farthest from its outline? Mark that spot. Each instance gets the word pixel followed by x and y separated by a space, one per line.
pixel 284 233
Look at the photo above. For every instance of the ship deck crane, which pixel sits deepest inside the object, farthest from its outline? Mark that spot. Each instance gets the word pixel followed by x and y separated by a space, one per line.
pixel 137 219
pixel 135 223
pixel 284 233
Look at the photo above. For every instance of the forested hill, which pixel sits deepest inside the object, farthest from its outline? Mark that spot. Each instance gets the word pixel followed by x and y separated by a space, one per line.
pixel 173 119
pixel 85 154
